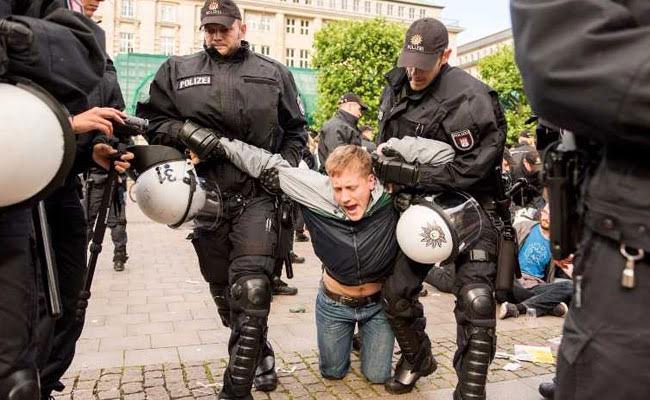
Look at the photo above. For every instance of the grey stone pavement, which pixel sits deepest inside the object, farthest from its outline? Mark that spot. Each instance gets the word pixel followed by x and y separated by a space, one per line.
pixel 152 332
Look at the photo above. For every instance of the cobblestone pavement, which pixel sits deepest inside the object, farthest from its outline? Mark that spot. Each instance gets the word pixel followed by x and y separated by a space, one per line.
pixel 152 332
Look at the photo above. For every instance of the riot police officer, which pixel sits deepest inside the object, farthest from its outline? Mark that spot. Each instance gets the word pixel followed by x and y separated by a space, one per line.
pixel 426 97
pixel 229 90
pixel 585 68
pixel 69 69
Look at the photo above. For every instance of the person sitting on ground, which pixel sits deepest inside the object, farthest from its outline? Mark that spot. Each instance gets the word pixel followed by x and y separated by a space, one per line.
pixel 537 288
pixel 352 223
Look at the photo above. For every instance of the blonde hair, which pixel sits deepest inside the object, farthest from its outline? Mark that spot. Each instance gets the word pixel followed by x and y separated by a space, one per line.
pixel 348 157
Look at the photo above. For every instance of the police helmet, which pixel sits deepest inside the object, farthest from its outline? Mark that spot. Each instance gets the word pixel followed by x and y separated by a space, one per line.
pixel 38 142
pixel 435 229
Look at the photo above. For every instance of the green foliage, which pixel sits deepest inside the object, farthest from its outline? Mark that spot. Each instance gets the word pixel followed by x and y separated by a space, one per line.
pixel 500 71
pixel 353 56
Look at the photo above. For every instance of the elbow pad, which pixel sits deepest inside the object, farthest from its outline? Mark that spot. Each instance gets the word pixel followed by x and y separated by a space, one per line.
pixel 201 141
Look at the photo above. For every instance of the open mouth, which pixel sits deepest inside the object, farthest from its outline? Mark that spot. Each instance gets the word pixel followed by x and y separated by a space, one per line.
pixel 350 209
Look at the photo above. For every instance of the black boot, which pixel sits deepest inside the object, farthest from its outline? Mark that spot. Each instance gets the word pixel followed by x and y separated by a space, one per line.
pixel 266 379
pixel 296 259
pixel 119 259
pixel 547 389
pixel 282 288
pixel 417 359
pixel 301 237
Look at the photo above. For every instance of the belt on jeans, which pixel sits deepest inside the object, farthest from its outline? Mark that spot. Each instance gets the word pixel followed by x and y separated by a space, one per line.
pixel 352 301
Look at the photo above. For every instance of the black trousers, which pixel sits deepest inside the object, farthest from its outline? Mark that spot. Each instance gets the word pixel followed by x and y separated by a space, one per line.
pixel 605 349
pixel 242 246
pixel 405 284
pixel 59 338
pixel 18 292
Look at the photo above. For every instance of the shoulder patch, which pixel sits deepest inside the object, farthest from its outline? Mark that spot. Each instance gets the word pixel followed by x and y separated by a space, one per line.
pixel 463 139
pixel 197 80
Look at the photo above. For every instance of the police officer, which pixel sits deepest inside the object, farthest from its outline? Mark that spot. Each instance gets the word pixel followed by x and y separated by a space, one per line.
pixel 585 68
pixel 428 98
pixel 342 128
pixel 69 69
pixel 229 90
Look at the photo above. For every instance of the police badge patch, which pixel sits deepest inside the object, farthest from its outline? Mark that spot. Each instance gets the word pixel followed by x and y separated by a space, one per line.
pixel 463 139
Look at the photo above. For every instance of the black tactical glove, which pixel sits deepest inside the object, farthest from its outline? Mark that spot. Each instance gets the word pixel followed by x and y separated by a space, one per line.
pixel 402 201
pixel 17 37
pixel 391 171
pixel 270 181
pixel 201 141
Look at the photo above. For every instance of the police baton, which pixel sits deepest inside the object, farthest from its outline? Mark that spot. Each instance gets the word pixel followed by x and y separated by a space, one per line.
pixel 98 236
pixel 48 262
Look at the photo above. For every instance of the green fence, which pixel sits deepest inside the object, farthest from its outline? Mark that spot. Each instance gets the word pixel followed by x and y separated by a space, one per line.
pixel 135 71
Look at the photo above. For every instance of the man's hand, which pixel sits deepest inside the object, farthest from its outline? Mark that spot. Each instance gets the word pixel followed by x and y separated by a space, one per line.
pixel 270 181
pixel 390 171
pixel 103 154
pixel 202 142
pixel 402 201
pixel 19 37
pixel 97 118
pixel 566 265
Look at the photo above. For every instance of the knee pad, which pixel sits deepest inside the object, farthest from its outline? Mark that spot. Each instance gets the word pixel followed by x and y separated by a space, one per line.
pixel 478 305
pixel 20 385
pixel 252 295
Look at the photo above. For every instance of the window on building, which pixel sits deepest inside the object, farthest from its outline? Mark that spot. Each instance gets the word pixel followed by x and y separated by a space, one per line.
pixel 379 9
pixel 411 13
pixel 307 2
pixel 291 25
pixel 319 3
pixel 304 27
pixel 127 42
pixel 366 7
pixel 290 60
pixel 128 8
pixel 303 61
pixel 389 9
pixel 344 4
pixel 167 45
pixel 355 5
pixel 423 12
pixel 332 3
pixel 400 11
pixel 266 50
pixel 257 22
pixel 296 1
pixel 167 13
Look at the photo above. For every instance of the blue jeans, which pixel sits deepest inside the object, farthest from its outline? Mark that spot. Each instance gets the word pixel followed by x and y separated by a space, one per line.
pixel 335 323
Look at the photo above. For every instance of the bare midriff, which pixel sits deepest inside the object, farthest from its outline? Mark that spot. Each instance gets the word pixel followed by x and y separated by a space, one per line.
pixel 367 289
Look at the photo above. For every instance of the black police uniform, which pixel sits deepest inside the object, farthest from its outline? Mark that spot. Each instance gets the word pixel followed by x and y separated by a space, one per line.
pixel 252 98
pixel 66 60
pixel 585 68
pixel 339 130
pixel 462 111
pixel 69 229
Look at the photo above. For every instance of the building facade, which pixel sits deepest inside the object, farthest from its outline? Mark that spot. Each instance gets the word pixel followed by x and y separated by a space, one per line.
pixel 281 29
pixel 471 53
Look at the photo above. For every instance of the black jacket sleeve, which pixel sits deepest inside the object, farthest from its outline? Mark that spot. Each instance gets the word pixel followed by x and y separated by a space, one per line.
pixel 165 121
pixel 586 65
pixel 292 120
pixel 65 57
pixel 470 168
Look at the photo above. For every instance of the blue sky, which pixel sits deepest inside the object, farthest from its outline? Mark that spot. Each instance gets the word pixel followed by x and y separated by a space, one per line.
pixel 478 17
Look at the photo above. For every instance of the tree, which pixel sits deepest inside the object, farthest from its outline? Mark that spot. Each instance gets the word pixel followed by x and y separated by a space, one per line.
pixel 500 71
pixel 353 56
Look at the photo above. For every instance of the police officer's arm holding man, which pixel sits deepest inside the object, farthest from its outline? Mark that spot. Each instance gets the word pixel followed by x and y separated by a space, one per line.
pixel 426 97
pixel 586 68
pixel 228 90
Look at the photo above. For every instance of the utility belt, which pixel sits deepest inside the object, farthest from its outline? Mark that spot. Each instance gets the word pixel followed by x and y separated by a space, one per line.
pixel 349 301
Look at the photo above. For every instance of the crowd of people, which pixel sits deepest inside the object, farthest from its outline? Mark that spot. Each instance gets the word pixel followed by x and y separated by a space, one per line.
pixel 234 122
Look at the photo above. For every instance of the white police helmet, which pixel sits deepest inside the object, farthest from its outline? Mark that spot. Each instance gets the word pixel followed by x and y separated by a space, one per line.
pixel 435 229
pixel 168 191
pixel 38 142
